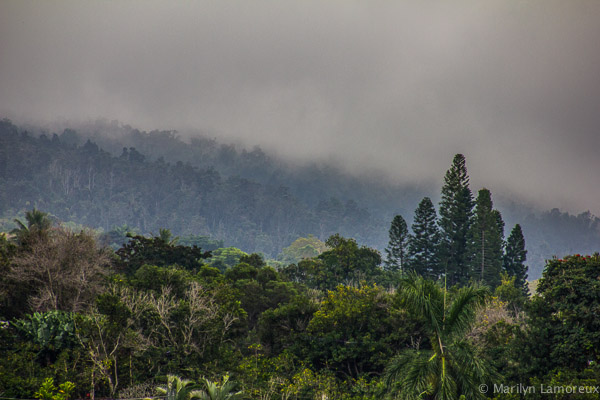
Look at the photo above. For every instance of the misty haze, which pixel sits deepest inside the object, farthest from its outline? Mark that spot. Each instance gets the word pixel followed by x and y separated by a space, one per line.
pixel 299 200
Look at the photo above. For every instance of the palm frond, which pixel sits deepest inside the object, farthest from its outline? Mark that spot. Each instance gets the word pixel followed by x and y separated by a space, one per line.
pixel 453 366
pixel 411 373
pixel 195 394
pixel 423 298
pixel 179 389
pixel 398 365
pixel 471 369
pixel 38 219
pixel 214 391
pixel 461 313
pixel 447 389
pixel 21 226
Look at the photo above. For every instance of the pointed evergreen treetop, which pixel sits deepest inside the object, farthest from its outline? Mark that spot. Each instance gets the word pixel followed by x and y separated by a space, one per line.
pixel 486 241
pixel 515 257
pixel 456 178
pixel 457 200
pixel 456 209
pixel 423 244
pixel 396 249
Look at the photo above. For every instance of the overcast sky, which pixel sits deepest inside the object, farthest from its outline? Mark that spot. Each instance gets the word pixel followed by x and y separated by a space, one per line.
pixel 400 86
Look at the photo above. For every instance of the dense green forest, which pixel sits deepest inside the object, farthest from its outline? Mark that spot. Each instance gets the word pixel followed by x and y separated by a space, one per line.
pixel 299 200
pixel 114 177
pixel 154 318
pixel 446 313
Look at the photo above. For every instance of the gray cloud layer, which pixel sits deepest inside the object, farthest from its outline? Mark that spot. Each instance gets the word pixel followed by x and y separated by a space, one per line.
pixel 398 86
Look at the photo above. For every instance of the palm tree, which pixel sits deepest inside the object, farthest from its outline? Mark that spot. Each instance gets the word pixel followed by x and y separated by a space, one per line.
pixel 38 224
pixel 166 236
pixel 180 389
pixel 451 367
pixel 216 391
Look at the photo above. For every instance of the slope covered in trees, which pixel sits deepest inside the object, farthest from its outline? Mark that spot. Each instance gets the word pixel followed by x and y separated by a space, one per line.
pixel 246 198
pixel 88 185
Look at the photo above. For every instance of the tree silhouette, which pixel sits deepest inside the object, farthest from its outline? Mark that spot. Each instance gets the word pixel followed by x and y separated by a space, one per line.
pixel 486 240
pixel 396 249
pixel 424 243
pixel 456 209
pixel 514 259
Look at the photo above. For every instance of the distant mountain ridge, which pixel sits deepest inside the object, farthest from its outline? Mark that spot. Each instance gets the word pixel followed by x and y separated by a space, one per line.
pixel 76 180
pixel 105 174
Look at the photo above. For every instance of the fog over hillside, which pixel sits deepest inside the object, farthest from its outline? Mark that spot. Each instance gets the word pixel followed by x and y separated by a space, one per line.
pixel 394 86
pixel 107 175
pixel 385 91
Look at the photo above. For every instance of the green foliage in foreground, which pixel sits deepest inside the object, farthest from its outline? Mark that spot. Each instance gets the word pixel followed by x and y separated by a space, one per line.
pixel 219 390
pixel 336 326
pixel 52 331
pixel 50 392
pixel 564 315
pixel 451 366
pixel 179 389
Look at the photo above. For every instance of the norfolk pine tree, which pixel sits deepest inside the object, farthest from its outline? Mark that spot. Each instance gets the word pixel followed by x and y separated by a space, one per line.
pixel 486 239
pixel 396 248
pixel 514 258
pixel 456 209
pixel 424 243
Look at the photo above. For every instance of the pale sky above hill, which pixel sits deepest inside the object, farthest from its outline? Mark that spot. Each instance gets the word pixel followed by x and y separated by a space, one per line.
pixel 398 86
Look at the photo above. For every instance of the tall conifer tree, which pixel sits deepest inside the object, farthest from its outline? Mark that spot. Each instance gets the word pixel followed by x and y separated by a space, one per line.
pixel 396 249
pixel 514 258
pixel 456 210
pixel 424 243
pixel 486 239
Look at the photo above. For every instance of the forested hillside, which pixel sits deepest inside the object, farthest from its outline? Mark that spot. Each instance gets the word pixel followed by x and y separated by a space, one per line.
pixel 85 184
pixel 107 175
pixel 443 311
pixel 310 182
